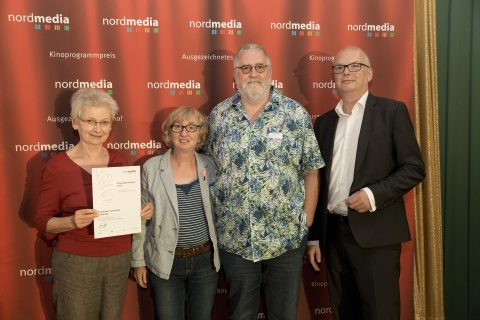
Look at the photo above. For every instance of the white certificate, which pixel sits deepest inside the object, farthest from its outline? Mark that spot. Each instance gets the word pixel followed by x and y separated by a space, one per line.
pixel 116 197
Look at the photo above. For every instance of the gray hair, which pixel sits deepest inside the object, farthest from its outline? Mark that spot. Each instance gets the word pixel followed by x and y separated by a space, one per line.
pixel 253 47
pixel 87 97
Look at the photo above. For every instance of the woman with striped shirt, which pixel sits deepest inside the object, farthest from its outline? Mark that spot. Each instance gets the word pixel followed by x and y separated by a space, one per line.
pixel 176 252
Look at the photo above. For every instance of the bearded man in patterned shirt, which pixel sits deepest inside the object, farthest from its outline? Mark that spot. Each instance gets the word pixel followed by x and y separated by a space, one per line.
pixel 265 191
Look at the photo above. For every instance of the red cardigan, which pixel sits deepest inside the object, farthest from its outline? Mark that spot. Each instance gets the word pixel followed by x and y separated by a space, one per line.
pixel 66 187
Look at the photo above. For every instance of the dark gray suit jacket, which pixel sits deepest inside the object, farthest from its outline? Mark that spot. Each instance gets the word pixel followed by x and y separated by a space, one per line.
pixel 388 161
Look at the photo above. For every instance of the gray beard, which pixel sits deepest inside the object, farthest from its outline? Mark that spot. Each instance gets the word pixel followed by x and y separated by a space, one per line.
pixel 255 93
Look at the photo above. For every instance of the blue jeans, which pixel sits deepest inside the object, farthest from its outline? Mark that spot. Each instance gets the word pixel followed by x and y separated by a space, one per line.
pixel 280 279
pixel 190 291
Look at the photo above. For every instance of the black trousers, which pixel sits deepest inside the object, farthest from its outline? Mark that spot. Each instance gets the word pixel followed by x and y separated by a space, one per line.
pixel 363 282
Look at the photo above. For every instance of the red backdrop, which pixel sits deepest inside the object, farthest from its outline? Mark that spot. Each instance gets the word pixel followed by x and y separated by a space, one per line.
pixel 153 56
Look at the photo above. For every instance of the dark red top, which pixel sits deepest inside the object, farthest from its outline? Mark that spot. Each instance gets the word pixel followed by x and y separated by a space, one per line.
pixel 66 188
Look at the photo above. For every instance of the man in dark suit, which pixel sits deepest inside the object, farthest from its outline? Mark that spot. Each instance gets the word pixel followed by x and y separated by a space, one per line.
pixel 372 160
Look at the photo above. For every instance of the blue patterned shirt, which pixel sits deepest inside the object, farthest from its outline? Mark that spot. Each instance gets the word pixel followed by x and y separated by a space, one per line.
pixel 259 189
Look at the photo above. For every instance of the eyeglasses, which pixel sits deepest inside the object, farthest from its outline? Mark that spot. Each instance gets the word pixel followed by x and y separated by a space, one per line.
pixel 93 123
pixel 353 67
pixel 177 128
pixel 260 68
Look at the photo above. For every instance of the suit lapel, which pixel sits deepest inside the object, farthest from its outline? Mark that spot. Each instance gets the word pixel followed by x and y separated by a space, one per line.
pixel 365 131
pixel 166 176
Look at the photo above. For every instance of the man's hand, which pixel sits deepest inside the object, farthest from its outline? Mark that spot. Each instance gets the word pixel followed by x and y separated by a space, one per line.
pixel 314 256
pixel 359 201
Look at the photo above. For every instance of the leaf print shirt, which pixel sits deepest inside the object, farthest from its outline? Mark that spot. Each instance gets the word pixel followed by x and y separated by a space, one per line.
pixel 259 189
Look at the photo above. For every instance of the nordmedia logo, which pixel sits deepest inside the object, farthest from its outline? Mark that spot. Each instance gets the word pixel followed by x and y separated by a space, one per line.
pixel 137 148
pixel 232 27
pixel 77 84
pixel 46 150
pixel 385 30
pixel 147 25
pixel 56 22
pixel 189 88
pixel 309 29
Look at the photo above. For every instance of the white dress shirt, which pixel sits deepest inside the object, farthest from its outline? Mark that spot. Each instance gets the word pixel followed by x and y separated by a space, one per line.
pixel 344 153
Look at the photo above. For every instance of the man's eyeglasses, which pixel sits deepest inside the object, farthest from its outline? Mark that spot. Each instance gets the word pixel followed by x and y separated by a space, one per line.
pixel 177 128
pixel 93 123
pixel 246 69
pixel 353 67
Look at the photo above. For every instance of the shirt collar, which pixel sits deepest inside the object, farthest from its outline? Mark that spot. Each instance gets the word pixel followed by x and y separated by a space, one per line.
pixel 361 103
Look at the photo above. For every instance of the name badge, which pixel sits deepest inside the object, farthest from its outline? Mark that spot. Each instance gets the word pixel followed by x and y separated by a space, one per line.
pixel 275 135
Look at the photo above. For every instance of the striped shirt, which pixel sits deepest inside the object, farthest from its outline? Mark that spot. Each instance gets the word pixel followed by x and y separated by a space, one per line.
pixel 193 222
